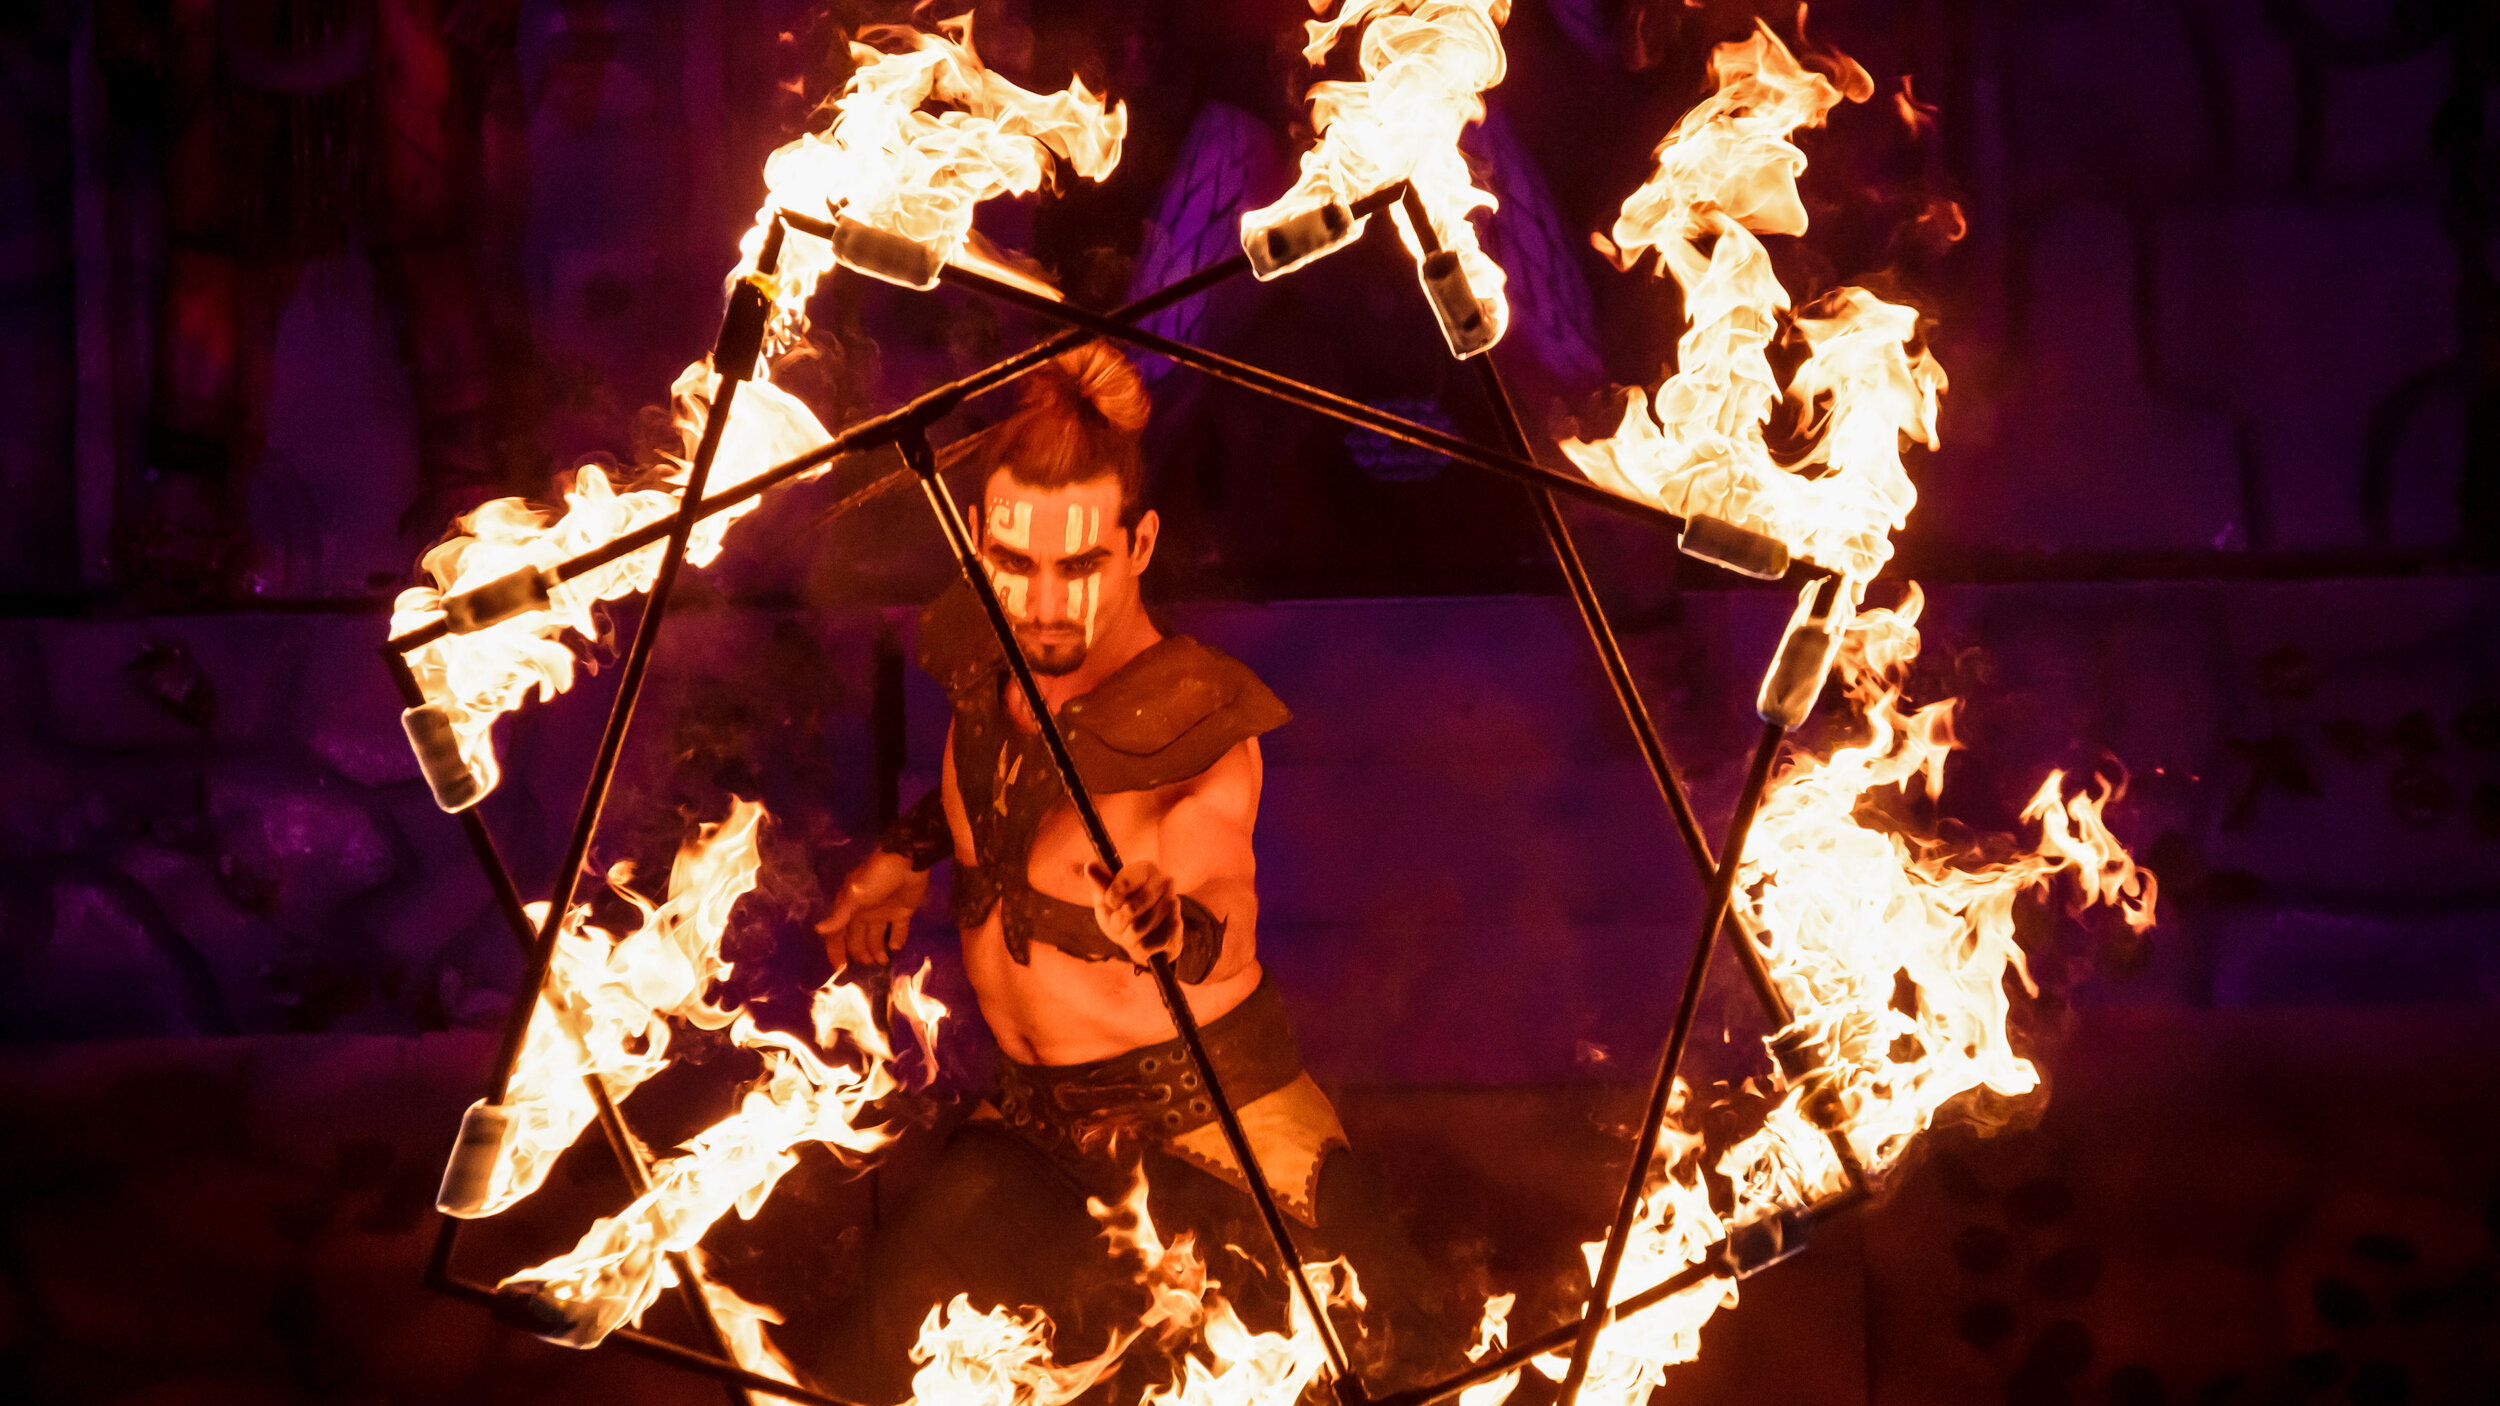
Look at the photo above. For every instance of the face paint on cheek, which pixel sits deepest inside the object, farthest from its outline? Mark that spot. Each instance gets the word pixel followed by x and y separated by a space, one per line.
pixel 1084 530
pixel 1011 526
pixel 1015 591
pixel 1085 602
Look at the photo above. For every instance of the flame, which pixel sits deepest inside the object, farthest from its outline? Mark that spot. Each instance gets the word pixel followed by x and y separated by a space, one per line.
pixel 480 676
pixel 1698 445
pixel 1676 1226
pixel 619 1267
pixel 1225 1364
pixel 612 998
pixel 1003 1357
pixel 884 163
pixel 1426 65
pixel 1492 1332
pixel 742 1326
pixel 1851 911
pixel 1847 912
pixel 889 163
pixel 609 998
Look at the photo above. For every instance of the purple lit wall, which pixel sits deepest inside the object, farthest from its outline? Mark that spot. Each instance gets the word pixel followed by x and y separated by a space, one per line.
pixel 2214 503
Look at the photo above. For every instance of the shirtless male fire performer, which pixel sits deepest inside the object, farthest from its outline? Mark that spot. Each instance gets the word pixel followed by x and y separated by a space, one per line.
pixel 1093 1083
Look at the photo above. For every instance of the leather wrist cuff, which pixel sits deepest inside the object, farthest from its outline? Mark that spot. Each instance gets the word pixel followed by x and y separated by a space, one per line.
pixel 1202 942
pixel 921 833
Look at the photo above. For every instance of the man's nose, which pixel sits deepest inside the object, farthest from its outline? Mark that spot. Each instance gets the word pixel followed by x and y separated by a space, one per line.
pixel 1051 598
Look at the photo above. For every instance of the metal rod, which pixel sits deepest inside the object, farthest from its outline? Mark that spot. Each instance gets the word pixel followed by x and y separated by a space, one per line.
pixel 658 1348
pixel 619 1137
pixel 924 409
pixel 1662 768
pixel 1317 400
pixel 612 740
pixel 1670 1059
pixel 1715 1262
pixel 950 518
pixel 1679 804
pixel 1583 591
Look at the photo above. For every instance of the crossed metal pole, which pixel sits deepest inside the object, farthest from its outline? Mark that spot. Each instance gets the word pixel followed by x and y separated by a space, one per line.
pixel 904 430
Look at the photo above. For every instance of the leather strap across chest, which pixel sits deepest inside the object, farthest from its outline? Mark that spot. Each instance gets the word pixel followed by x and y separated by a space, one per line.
pixel 1004 775
pixel 1160 719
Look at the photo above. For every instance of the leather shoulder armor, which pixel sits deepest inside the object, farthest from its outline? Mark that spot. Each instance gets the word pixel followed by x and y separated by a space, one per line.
pixel 956 647
pixel 1162 718
pixel 1166 716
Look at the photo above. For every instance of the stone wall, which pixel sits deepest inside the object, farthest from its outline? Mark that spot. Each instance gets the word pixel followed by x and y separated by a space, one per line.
pixel 215 826
pixel 2218 293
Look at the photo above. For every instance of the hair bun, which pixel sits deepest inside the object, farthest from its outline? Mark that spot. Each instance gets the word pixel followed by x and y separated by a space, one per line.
pixel 1098 377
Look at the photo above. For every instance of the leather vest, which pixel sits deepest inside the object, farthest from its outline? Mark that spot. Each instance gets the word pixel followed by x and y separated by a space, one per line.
pixel 1158 720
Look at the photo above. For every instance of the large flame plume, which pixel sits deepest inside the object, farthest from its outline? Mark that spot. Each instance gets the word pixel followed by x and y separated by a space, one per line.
pixel 919 137
pixel 610 998
pixel 892 164
pixel 617 995
pixel 1698 445
pixel 800 1097
pixel 610 1006
pixel 1892 948
pixel 477 677
pixel 1005 1356
pixel 1426 65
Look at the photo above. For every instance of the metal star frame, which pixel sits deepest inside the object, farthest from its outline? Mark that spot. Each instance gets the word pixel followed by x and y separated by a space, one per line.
pixel 902 433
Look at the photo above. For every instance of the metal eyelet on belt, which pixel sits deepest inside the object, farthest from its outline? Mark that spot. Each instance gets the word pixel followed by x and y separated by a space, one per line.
pixel 1172 1118
pixel 1189 1081
pixel 1197 1105
pixel 1149 1066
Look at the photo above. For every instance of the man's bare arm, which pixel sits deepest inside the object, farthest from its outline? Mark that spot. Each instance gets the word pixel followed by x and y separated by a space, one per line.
pixel 1202 851
pixel 872 910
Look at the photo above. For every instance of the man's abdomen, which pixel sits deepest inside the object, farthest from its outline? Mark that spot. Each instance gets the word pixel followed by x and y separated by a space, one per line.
pixel 1061 1010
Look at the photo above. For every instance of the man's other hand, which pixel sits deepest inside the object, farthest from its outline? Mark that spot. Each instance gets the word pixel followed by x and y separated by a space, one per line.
pixel 872 913
pixel 1140 910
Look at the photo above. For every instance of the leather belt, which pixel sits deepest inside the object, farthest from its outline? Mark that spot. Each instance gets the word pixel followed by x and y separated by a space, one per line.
pixel 1151 1094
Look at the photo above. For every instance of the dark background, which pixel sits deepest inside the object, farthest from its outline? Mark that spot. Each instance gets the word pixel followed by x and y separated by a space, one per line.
pixel 283 285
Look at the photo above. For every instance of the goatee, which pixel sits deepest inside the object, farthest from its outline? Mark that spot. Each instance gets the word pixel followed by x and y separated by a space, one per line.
pixel 1054 660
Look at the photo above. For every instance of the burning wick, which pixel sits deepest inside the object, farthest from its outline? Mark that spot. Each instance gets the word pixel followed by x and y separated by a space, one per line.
pixel 447 773
pixel 1298 239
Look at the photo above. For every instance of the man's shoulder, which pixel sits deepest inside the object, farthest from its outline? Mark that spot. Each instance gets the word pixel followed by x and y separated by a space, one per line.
pixel 1167 716
pixel 956 647
pixel 1161 718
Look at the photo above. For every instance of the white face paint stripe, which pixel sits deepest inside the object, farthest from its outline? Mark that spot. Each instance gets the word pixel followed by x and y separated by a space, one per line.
pixel 1014 591
pixel 1011 526
pixel 1084 527
pixel 1011 522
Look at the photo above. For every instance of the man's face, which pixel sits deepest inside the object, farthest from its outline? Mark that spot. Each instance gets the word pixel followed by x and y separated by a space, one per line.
pixel 1063 567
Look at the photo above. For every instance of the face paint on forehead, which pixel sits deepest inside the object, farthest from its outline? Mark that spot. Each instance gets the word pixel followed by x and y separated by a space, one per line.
pixel 1084 527
pixel 1011 526
pixel 1011 522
